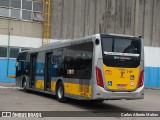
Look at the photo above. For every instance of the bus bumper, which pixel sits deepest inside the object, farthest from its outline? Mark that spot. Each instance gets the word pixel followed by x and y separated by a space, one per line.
pixel 110 95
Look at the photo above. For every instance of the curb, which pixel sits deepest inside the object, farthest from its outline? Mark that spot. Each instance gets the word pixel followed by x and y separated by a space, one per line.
pixel 153 88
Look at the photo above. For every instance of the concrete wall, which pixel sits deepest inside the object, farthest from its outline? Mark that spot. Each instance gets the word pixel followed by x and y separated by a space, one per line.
pixel 19 41
pixel 21 28
pixel 77 18
pixel 152 66
pixel 7 66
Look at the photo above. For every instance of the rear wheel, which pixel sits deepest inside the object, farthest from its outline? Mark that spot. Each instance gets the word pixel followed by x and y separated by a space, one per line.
pixel 60 92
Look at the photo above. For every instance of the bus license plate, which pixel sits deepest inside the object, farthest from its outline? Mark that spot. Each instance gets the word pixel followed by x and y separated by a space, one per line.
pixel 121 86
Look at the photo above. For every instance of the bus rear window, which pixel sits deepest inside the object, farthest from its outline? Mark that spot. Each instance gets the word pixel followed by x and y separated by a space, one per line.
pixel 117 45
pixel 121 51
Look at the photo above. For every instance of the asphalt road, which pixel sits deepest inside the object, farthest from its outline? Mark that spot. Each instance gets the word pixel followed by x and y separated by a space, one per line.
pixel 13 99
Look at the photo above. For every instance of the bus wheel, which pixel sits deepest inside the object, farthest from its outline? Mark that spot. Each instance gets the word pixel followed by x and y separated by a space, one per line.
pixel 60 92
pixel 24 85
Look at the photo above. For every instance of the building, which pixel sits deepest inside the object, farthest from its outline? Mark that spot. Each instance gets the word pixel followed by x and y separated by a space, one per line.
pixel 20 29
pixel 77 18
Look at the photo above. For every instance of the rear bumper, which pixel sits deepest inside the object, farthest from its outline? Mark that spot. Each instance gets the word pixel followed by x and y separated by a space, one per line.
pixel 109 95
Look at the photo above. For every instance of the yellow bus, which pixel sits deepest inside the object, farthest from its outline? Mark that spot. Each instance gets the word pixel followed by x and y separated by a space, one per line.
pixel 98 67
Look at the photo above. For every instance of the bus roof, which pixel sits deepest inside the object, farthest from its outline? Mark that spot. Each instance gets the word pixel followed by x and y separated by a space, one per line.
pixel 120 35
pixel 60 43
pixel 68 42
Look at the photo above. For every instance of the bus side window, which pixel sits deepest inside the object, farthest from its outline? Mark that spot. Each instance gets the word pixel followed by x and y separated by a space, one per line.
pixel 78 61
pixel 69 62
pixel 27 68
pixel 86 64
pixel 57 62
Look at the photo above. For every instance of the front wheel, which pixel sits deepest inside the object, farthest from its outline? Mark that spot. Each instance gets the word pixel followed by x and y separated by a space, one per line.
pixel 60 92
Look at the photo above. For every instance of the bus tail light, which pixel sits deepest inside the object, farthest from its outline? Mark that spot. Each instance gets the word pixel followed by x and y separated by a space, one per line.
pixel 99 77
pixel 141 79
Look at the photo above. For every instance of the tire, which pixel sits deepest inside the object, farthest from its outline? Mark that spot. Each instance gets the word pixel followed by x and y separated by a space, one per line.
pixel 60 92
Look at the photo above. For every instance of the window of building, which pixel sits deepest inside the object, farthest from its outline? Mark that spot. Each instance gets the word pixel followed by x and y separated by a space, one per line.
pixel 3 52
pixel 37 16
pixel 15 13
pixel 26 15
pixel 16 3
pixel 4 3
pixel 4 12
pixel 37 6
pixel 30 10
pixel 26 4
pixel 14 52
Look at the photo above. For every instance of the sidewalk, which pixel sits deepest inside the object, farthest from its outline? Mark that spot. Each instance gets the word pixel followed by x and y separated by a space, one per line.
pixel 8 84
pixel 154 88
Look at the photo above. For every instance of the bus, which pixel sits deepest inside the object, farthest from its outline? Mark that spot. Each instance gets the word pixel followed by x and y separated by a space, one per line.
pixel 98 67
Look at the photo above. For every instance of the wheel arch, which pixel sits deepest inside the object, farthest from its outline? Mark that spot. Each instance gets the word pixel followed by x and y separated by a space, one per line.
pixel 60 81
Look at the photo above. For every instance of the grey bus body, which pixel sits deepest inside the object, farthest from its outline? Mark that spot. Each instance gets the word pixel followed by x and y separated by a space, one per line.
pixel 72 68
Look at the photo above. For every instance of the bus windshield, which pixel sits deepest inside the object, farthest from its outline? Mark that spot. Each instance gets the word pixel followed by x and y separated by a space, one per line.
pixel 121 51
pixel 22 56
pixel 22 64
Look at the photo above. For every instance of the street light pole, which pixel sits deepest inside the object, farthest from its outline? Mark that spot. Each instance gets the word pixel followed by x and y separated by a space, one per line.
pixel 8 52
pixel 8 46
